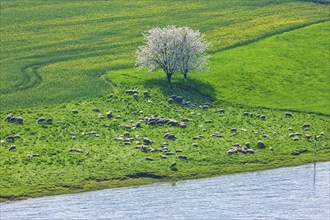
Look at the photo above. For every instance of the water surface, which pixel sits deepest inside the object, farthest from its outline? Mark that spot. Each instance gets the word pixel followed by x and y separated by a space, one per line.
pixel 301 192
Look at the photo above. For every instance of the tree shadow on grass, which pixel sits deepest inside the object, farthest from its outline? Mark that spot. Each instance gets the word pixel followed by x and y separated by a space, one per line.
pixel 191 89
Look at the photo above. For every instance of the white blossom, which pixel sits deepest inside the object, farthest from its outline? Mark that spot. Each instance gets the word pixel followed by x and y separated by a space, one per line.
pixel 172 49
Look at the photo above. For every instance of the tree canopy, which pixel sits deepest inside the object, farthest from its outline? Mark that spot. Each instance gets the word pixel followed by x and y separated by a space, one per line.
pixel 172 49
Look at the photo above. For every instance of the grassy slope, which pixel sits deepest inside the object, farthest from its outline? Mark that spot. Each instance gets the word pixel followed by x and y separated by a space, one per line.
pixel 286 71
pixel 279 72
pixel 111 163
pixel 47 45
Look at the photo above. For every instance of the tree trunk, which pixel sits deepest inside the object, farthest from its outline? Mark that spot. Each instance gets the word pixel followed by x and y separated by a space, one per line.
pixel 185 74
pixel 169 78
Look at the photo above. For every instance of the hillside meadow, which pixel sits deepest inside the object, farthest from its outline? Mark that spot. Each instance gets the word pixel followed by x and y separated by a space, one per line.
pixel 88 150
pixel 46 45
pixel 285 71
pixel 73 63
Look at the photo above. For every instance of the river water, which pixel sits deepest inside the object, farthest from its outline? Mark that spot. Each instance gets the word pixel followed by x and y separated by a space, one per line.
pixel 301 192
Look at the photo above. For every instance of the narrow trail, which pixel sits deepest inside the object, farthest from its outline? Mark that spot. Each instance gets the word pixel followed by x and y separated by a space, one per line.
pixel 31 78
pixel 267 35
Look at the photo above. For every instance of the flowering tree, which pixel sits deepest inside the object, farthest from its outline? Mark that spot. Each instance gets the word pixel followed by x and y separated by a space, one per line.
pixel 172 49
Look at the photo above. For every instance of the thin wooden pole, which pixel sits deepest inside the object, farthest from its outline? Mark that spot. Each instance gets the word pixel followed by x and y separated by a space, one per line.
pixel 315 140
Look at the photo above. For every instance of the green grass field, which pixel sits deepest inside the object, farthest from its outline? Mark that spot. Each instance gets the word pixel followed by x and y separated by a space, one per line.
pixel 268 57
pixel 45 46
pixel 285 71
pixel 112 163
